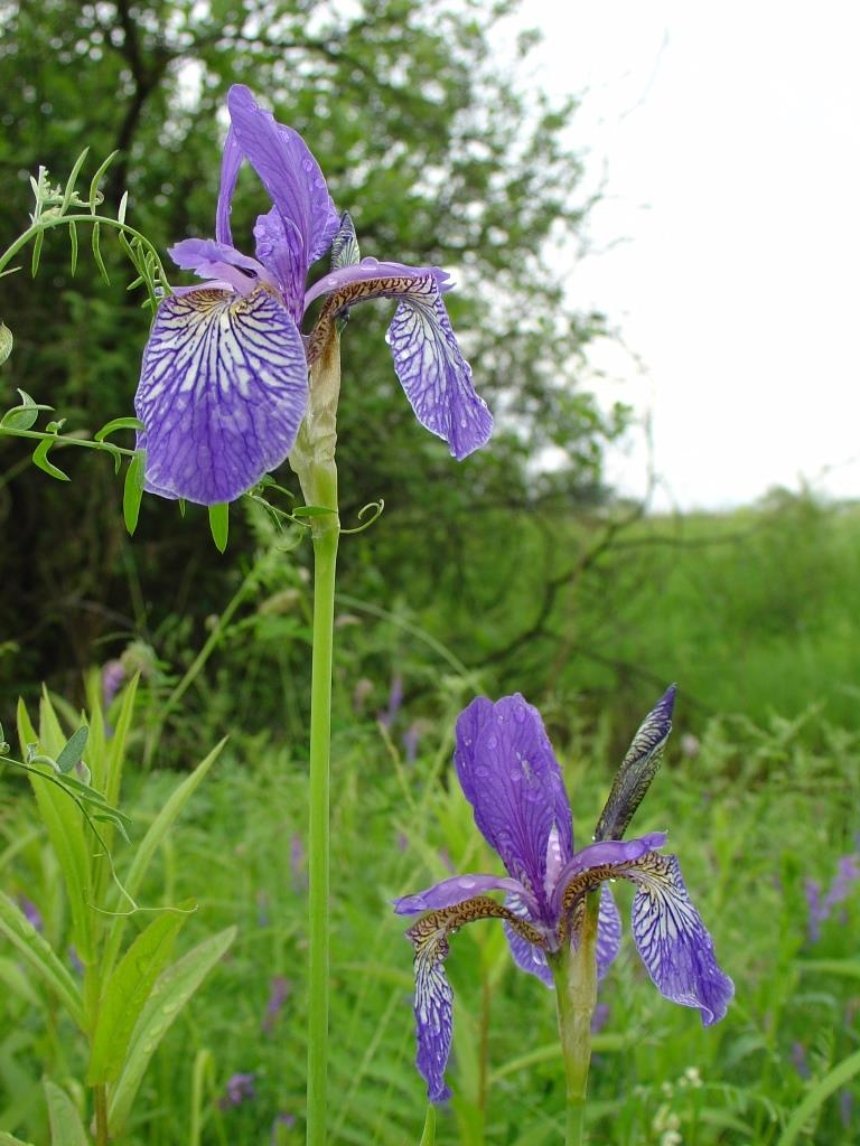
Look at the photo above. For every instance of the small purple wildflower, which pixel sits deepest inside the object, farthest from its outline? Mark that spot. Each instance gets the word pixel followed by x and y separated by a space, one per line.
pixel 279 989
pixel 239 1089
pixel 224 381
pixel 509 774
pixel 411 737
pixel 600 1018
pixel 395 701
pixel 284 1120
pixel 113 677
pixel 799 1059
pixel 31 911
pixel 298 863
pixel 820 907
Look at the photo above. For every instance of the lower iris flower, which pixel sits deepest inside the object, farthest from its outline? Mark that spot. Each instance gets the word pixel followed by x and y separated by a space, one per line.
pixel 509 774
pixel 224 381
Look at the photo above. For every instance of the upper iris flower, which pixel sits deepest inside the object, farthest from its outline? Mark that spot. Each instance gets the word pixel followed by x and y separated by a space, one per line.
pixel 509 774
pixel 224 381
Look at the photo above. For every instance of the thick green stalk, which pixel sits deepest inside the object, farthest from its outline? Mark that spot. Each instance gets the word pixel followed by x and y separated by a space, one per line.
pixel 326 534
pixel 575 974
pixel 312 459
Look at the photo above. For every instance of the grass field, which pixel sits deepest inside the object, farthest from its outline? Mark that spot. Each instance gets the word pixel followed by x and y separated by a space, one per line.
pixel 755 616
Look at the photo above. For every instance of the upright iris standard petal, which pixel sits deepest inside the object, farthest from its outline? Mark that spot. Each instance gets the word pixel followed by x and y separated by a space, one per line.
pixel 673 941
pixel 434 375
pixel 288 171
pixel 222 393
pixel 510 776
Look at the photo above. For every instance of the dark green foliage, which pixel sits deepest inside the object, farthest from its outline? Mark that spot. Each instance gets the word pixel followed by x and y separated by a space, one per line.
pixel 440 157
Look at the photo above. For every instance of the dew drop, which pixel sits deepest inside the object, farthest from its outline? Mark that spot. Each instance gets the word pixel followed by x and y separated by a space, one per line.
pixel 370 262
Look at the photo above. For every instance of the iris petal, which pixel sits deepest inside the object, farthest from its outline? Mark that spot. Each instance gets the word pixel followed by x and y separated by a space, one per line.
pixel 528 956
pixel 451 892
pixel 222 393
pixel 608 931
pixel 434 374
pixel 288 171
pixel 673 941
pixel 510 776
pixel 433 1008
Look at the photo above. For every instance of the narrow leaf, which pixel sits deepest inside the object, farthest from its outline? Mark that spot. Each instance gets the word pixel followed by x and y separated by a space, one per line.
pixel 123 207
pixel 150 843
pixel 219 524
pixel 39 956
pixel 73 240
pixel 73 749
pixel 172 990
pixel 821 1090
pixel 66 1126
pixel 97 252
pixel 72 180
pixel 40 458
pixel 117 424
pixel 126 993
pixel 132 490
pixel 7 1139
pixel 37 253
pixel 93 197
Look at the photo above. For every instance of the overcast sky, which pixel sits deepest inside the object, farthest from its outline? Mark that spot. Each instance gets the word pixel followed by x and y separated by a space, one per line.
pixel 727 136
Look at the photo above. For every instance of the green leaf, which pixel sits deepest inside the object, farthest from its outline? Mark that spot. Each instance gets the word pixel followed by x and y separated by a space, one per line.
pixel 219 524
pixel 67 830
pixel 10 1140
pixel 819 1092
pixel 132 490
pixel 72 180
pixel 37 253
pixel 24 415
pixel 126 993
pixel 73 239
pixel 94 196
pixel 150 843
pixel 39 956
pixel 73 749
pixel 97 252
pixel 117 424
pixel 6 342
pixel 40 458
pixel 171 992
pixel 66 1126
pixel 428 1138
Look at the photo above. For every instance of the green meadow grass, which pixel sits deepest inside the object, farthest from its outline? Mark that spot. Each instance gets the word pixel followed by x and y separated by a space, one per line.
pixel 751 816
pixel 755 615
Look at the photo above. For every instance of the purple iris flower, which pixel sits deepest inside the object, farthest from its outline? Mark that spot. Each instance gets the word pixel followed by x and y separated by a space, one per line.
pixel 508 772
pixel 224 380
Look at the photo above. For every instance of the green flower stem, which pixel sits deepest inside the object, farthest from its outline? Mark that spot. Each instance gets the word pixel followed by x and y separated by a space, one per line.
pixel 312 459
pixel 575 974
pixel 326 532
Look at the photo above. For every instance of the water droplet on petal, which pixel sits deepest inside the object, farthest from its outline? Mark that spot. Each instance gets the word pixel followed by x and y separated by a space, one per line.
pixel 370 262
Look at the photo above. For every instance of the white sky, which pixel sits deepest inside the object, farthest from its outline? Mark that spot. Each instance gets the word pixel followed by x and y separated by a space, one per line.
pixel 727 136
